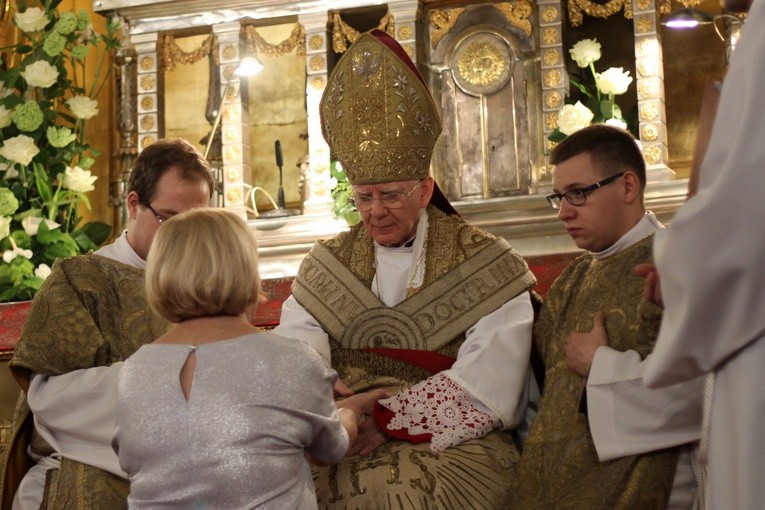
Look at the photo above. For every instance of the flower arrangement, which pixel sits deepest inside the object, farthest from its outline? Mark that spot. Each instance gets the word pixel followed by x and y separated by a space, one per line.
pixel 599 89
pixel 44 160
pixel 342 195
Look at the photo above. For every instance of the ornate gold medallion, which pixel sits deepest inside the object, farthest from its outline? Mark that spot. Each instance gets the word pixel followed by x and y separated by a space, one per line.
pixel 481 64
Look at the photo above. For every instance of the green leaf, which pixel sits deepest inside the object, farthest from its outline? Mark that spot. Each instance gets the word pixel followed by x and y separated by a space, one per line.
pixel 556 136
pixel 46 235
pixel 42 182
pixel 96 231
pixel 59 250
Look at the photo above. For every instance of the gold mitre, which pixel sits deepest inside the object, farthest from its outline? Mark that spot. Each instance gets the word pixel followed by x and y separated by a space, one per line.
pixel 378 117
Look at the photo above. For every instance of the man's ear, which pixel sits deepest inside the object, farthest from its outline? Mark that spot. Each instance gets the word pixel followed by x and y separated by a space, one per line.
pixel 132 204
pixel 427 191
pixel 632 188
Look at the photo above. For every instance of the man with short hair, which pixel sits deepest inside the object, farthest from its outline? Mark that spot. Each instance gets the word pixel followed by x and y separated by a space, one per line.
pixel 413 299
pixel 87 318
pixel 598 181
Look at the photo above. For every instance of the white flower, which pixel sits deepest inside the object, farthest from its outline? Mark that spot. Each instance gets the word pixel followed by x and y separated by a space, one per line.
pixel 9 255
pixel 585 52
pixel 613 81
pixel 10 172
pixel 40 74
pixel 617 123
pixel 4 92
pixel 77 179
pixel 6 117
pixel 5 226
pixel 573 117
pixel 42 271
pixel 31 20
pixel 83 107
pixel 20 149
pixel 332 182
pixel 31 224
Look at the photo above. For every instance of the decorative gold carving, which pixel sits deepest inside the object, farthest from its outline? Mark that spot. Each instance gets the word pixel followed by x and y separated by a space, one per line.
pixel 233 175
pixel 551 121
pixel 234 195
pixel 229 52
pixel 148 82
pixel 647 67
pixel 482 64
pixel 551 57
pixel 649 133
pixel 146 141
pixel 343 34
pixel 643 4
pixel 648 112
pixel 550 36
pixel 553 99
pixel 517 14
pixel 648 47
pixel 232 154
pixel 549 14
pixel 645 24
pixel 409 51
pixel 146 63
pixel 552 78
pixel 316 42
pixel 441 22
pixel 405 32
pixel 148 123
pixel 316 63
pixel 296 41
pixel 577 8
pixel 317 83
pixel 147 103
pixel 652 154
pixel 172 54
pixel 647 90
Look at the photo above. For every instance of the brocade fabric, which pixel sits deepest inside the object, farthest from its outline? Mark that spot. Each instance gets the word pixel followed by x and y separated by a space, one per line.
pixel 559 468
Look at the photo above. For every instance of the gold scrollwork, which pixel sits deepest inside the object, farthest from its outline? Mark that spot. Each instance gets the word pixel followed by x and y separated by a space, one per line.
pixel 553 99
pixel 517 14
pixel 643 4
pixel 344 34
pixel 441 22
pixel 296 41
pixel 172 54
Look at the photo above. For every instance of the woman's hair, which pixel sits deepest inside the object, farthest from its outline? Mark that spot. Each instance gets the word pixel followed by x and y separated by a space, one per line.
pixel 203 262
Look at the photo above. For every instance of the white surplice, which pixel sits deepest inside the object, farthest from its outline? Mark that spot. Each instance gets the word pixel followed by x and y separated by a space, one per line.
pixel 76 412
pixel 492 364
pixel 713 282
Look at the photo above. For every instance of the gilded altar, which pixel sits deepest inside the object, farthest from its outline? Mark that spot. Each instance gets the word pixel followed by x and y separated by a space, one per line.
pixel 498 72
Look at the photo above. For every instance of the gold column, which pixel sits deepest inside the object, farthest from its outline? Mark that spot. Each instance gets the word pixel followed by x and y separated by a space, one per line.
pixel 149 100
pixel 553 66
pixel 404 15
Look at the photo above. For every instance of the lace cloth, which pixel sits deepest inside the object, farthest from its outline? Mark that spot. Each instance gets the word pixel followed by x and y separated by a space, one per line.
pixel 441 408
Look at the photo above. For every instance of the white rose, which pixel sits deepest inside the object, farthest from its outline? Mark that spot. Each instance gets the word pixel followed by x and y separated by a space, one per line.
pixel 573 117
pixel 585 52
pixel 5 226
pixel 31 20
pixel 613 81
pixel 77 179
pixel 40 74
pixel 6 116
pixel 20 149
pixel 31 225
pixel 42 271
pixel 617 123
pixel 83 107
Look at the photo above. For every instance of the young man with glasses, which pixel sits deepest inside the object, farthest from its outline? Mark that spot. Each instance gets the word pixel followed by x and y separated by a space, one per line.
pixel 87 318
pixel 598 181
pixel 414 300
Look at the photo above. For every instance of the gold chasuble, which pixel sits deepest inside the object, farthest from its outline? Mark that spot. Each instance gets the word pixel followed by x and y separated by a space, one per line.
pixel 94 308
pixel 559 468
pixel 468 274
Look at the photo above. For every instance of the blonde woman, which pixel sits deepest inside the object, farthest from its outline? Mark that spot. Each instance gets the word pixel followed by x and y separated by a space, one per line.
pixel 217 413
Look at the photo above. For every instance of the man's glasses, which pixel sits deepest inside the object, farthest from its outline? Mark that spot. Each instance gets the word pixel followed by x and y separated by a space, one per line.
pixel 388 199
pixel 160 218
pixel 578 196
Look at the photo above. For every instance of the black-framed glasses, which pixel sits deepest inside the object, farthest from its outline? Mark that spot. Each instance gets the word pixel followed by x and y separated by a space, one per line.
pixel 389 199
pixel 578 196
pixel 160 218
